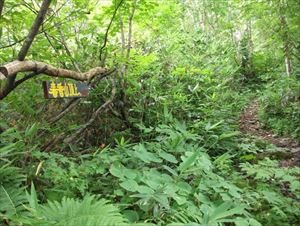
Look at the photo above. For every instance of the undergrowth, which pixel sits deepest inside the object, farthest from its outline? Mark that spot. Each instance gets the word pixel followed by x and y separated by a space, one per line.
pixel 280 110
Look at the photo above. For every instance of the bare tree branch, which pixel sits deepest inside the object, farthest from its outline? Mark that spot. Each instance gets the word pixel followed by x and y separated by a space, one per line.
pixel 54 13
pixel 12 44
pixel 64 44
pixel 29 76
pixel 69 106
pixel 124 65
pixel 62 63
pixel 122 46
pixel 5 92
pixel 1 9
pixel 11 69
pixel 15 67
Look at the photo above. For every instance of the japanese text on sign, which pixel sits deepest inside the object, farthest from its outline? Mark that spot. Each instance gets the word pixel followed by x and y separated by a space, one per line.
pixel 64 90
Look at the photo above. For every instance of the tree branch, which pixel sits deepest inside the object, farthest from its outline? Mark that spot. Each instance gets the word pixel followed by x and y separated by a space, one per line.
pixel 65 19
pixel 29 76
pixel 15 67
pixel 1 9
pixel 4 92
pixel 34 29
pixel 108 28
pixel 130 33
pixel 69 106
pixel 10 70
pixel 64 44
pixel 125 61
pixel 10 84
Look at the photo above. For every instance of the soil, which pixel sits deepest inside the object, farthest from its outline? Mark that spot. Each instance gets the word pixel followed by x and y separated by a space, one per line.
pixel 249 123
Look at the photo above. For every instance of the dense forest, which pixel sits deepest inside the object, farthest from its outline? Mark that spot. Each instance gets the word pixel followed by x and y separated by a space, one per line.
pixel 150 112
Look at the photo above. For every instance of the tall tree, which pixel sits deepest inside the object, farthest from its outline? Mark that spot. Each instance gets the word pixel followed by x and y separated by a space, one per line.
pixel 285 38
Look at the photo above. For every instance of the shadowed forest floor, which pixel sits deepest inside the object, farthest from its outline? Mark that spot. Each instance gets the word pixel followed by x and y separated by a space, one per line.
pixel 250 124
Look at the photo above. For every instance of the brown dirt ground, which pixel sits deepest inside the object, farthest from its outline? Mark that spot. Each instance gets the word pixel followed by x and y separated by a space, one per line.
pixel 249 123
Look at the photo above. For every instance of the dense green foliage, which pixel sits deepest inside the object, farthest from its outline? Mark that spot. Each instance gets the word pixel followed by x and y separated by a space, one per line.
pixel 280 109
pixel 183 76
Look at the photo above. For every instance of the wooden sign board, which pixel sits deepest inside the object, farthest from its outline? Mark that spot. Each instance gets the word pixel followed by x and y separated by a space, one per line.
pixel 55 90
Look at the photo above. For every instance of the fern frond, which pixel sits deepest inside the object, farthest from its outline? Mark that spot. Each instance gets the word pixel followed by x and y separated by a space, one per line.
pixel 11 201
pixel 11 176
pixel 88 212
pixel 185 217
pixel 12 195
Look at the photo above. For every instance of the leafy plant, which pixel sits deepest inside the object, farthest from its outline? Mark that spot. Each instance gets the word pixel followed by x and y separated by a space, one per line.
pixel 88 211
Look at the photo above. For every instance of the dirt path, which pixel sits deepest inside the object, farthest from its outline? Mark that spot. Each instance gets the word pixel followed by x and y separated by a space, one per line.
pixel 249 123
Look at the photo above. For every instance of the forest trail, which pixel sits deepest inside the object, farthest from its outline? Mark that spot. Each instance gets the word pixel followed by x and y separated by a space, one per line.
pixel 249 123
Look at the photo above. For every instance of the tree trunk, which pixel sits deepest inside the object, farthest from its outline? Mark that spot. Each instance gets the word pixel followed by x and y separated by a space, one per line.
pixel 286 44
pixel 34 29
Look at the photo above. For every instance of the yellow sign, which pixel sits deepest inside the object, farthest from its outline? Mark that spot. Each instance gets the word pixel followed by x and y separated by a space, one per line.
pixel 63 89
